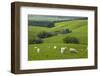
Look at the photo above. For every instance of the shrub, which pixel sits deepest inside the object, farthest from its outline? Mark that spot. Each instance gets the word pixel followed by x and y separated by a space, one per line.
pixel 37 41
pixel 65 31
pixel 71 40
pixel 34 40
pixel 45 34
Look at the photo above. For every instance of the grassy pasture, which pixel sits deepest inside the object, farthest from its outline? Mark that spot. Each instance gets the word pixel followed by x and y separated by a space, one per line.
pixel 47 52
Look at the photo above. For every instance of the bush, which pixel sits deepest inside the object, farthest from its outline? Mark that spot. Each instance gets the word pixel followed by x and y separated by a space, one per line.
pixel 71 40
pixel 37 41
pixel 65 31
pixel 45 34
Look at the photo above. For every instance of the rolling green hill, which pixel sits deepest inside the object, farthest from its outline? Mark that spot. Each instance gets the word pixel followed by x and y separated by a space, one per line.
pixel 79 30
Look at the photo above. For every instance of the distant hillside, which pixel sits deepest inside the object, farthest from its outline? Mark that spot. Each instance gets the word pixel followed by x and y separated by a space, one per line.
pixel 78 27
pixel 49 21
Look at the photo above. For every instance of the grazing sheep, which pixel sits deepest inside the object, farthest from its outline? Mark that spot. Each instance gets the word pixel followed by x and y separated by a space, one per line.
pixel 73 50
pixel 38 50
pixel 62 50
pixel 55 47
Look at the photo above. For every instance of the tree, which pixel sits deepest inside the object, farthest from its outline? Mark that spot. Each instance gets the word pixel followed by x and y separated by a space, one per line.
pixel 45 34
pixel 65 31
pixel 71 40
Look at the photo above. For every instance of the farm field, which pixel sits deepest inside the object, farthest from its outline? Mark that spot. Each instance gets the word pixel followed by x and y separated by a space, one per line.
pixel 50 48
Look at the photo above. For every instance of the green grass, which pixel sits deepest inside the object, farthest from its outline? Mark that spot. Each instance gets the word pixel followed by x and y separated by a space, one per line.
pixel 79 30
pixel 51 53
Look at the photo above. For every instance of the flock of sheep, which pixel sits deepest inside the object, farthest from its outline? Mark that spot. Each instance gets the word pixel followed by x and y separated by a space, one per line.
pixel 62 49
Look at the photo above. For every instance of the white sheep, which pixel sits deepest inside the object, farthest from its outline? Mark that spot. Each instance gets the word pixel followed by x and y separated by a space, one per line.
pixel 73 50
pixel 55 47
pixel 38 50
pixel 62 50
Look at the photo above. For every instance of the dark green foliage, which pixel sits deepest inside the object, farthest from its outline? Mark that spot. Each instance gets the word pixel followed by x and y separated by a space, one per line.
pixel 65 31
pixel 45 34
pixel 41 23
pixel 71 40
pixel 37 41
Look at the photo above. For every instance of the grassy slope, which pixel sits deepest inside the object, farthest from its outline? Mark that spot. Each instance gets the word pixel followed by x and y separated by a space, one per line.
pixel 79 30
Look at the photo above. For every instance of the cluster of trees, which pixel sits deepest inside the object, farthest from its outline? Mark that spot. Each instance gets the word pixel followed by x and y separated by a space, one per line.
pixel 35 40
pixel 41 23
pixel 71 40
pixel 44 34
